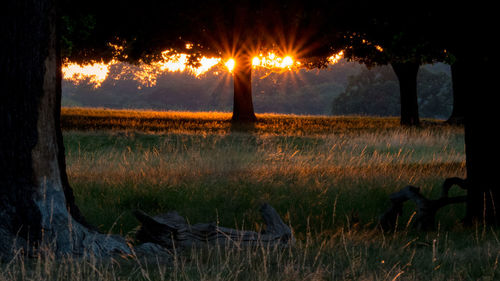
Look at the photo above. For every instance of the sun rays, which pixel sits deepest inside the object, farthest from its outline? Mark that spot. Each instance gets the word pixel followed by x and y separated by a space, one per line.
pixel 285 61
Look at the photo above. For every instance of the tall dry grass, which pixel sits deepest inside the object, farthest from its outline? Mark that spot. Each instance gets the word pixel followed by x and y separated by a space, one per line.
pixel 226 175
pixel 329 178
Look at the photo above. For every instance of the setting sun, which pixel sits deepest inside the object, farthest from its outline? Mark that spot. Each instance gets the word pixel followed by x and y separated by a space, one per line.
pixel 255 61
pixel 287 62
pixel 230 64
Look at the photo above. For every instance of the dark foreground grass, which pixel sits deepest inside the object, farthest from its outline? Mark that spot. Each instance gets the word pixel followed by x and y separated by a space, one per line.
pixel 329 178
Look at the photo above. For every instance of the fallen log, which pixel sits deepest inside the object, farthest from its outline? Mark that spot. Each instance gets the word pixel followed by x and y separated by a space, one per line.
pixel 426 208
pixel 171 230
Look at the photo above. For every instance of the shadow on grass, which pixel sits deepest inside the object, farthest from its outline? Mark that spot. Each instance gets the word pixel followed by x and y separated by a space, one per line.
pixel 243 127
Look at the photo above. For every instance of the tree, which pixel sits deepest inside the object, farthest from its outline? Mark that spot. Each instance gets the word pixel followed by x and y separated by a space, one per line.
pixel 483 193
pixel 371 92
pixel 392 34
pixel 36 202
pixel 376 92
pixel 225 29
pixel 477 62
pixel 466 31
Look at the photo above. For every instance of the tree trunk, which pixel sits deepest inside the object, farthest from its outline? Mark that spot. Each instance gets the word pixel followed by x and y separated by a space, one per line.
pixel 242 77
pixel 407 76
pixel 457 78
pixel 36 202
pixel 481 140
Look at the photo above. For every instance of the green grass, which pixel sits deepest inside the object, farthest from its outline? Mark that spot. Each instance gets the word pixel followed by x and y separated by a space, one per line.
pixel 225 176
pixel 328 177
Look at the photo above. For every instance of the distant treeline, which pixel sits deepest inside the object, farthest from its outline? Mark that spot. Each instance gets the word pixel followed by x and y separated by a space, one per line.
pixel 342 89
pixel 376 93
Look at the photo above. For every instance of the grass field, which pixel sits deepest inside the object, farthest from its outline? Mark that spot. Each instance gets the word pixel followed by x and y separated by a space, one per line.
pixel 328 177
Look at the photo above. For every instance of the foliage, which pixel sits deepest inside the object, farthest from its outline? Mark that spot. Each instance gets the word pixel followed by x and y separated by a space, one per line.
pixel 216 28
pixel 376 92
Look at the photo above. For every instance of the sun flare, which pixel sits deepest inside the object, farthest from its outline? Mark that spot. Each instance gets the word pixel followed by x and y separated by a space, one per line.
pixel 274 62
pixel 146 74
pixel 230 64
pixel 336 58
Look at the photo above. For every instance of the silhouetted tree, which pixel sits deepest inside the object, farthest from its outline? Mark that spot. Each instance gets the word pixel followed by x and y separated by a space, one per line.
pixel 392 34
pixel 36 201
pixel 239 29
pixel 477 67
pixel 466 31
pixel 376 92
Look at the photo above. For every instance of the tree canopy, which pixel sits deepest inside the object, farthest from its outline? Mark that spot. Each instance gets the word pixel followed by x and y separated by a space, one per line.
pixel 218 28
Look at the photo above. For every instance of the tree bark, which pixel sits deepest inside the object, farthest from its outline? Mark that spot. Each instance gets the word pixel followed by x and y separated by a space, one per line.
pixel 36 202
pixel 481 140
pixel 242 78
pixel 407 76
pixel 457 78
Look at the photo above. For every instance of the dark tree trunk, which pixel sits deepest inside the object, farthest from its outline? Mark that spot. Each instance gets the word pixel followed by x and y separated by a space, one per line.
pixel 407 76
pixel 457 78
pixel 470 43
pixel 242 77
pixel 481 140
pixel 36 202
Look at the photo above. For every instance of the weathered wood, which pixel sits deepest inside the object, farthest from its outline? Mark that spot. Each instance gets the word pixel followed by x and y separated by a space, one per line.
pixel 172 231
pixel 426 209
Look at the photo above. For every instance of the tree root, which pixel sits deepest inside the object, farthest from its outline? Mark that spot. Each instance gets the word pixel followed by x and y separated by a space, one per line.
pixel 426 208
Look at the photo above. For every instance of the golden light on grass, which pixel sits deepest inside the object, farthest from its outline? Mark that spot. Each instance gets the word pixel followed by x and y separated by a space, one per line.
pixel 317 170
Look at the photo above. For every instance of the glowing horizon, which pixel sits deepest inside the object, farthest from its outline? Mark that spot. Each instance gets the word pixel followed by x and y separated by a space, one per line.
pixel 272 61
pixel 146 74
pixel 95 73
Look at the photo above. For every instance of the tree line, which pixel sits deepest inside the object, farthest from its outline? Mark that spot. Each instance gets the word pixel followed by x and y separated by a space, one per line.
pixel 346 88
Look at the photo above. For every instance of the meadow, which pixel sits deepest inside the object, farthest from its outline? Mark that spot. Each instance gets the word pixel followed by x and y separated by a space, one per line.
pixel 328 177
